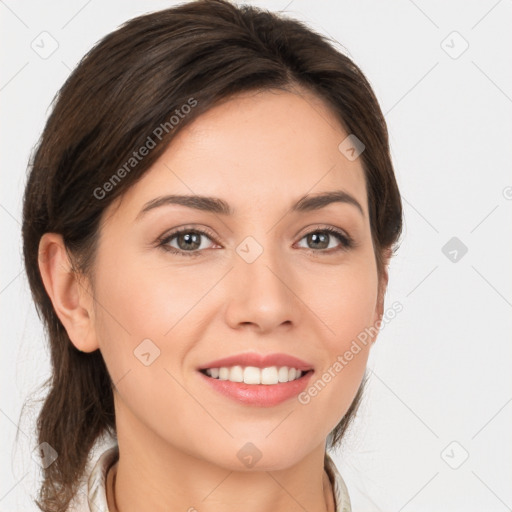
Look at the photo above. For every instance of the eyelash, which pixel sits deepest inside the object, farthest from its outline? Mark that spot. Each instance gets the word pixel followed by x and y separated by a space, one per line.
pixel 346 241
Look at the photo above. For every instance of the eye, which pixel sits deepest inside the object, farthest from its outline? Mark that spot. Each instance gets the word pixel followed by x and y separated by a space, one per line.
pixel 322 238
pixel 188 241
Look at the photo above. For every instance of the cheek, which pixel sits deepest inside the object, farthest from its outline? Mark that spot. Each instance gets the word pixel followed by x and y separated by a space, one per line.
pixel 140 305
pixel 141 301
pixel 146 322
pixel 344 301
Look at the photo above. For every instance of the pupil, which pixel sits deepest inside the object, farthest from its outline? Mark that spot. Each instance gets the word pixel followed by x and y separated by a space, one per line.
pixel 316 237
pixel 191 238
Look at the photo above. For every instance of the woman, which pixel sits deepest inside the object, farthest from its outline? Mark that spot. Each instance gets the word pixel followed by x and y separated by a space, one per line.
pixel 207 228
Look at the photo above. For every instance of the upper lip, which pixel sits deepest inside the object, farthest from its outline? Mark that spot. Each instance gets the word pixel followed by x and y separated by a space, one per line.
pixel 259 361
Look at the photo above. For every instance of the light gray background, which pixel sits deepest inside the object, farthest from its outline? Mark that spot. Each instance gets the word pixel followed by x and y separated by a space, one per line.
pixel 441 369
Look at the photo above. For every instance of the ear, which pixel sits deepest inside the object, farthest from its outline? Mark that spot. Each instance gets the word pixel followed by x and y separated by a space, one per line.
pixel 382 286
pixel 71 299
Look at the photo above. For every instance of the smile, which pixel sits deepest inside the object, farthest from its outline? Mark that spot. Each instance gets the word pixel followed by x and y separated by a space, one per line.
pixel 261 388
pixel 253 375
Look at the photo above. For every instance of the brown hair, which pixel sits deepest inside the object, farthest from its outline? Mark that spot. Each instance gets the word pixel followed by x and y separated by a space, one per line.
pixel 132 82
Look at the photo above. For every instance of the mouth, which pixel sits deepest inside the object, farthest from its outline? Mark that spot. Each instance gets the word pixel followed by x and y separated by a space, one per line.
pixel 253 386
pixel 256 379
pixel 253 376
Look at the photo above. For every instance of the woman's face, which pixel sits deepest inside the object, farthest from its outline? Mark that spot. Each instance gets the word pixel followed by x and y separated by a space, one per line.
pixel 263 279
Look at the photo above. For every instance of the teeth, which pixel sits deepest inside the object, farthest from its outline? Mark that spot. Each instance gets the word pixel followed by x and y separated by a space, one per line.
pixel 254 375
pixel 236 374
pixel 283 373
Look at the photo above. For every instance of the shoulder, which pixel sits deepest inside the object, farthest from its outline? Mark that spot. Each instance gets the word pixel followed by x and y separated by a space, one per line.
pixel 91 494
pixel 341 496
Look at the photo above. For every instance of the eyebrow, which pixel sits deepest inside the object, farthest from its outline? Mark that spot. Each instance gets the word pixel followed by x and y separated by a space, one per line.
pixel 216 205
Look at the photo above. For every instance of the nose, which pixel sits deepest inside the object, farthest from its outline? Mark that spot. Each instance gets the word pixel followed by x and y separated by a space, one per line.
pixel 263 293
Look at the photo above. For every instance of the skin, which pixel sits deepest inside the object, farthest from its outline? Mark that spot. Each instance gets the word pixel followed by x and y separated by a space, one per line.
pixel 178 438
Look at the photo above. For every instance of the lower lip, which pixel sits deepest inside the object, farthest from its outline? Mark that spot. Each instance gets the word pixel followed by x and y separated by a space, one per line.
pixel 262 395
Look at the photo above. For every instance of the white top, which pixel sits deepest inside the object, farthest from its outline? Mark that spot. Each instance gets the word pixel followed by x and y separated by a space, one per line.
pixel 97 497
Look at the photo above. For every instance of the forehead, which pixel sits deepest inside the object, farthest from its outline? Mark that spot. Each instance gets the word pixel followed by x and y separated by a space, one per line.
pixel 256 150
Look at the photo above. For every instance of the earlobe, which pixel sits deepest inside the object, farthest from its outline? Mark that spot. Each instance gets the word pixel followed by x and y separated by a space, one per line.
pixel 71 301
